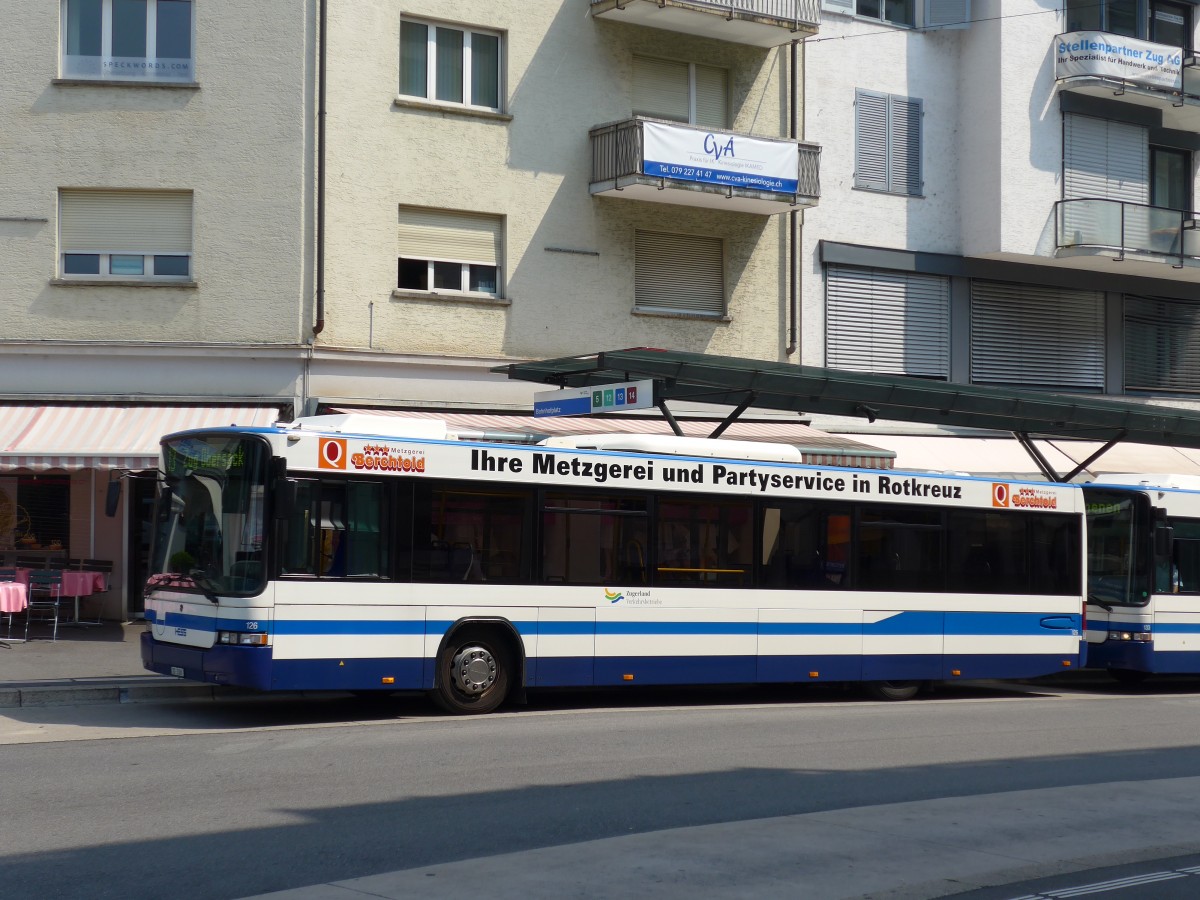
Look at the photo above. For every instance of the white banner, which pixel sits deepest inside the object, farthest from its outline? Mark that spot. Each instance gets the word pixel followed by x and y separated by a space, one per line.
pixel 730 160
pixel 1104 55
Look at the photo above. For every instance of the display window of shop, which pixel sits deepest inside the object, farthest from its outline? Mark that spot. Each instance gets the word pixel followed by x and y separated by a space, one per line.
pixel 35 514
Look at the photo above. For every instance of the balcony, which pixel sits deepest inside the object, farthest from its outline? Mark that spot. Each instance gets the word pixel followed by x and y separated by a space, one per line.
pixel 758 23
pixel 665 162
pixel 1156 75
pixel 1120 230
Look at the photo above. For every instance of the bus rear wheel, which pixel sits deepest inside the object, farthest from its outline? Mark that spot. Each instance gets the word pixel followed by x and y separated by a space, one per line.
pixel 473 673
pixel 893 690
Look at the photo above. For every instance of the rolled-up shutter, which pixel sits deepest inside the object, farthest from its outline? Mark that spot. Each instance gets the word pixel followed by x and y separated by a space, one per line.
pixel 712 97
pixel 679 272
pixel 1037 336
pixel 1110 162
pixel 449 236
pixel 891 323
pixel 1162 344
pixel 125 221
pixel 660 88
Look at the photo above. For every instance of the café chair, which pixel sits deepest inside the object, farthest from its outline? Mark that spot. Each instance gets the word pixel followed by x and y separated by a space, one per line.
pixel 31 562
pixel 45 599
pixel 105 567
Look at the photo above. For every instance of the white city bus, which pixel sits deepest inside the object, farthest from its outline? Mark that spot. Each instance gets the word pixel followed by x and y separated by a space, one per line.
pixel 1144 575
pixel 370 553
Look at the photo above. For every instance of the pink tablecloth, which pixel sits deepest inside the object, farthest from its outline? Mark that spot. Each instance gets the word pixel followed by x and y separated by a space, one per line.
pixel 13 597
pixel 74 582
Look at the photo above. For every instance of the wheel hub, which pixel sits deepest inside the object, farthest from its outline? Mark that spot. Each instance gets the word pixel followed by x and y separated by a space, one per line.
pixel 474 669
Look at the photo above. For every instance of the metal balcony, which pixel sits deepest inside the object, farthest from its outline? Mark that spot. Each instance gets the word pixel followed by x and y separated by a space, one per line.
pixel 1109 65
pixel 1119 230
pixel 666 162
pixel 758 23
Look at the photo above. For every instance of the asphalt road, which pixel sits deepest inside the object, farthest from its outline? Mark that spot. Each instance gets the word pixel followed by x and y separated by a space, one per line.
pixel 816 794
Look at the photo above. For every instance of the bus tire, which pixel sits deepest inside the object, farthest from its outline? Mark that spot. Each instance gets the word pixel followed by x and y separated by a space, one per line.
pixel 1128 677
pixel 474 672
pixel 893 690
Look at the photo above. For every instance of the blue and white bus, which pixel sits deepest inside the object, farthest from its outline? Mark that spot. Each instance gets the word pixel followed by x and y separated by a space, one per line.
pixel 369 553
pixel 1144 575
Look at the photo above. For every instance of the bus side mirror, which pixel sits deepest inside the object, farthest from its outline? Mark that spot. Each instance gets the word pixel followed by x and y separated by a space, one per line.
pixel 285 498
pixel 1163 536
pixel 112 499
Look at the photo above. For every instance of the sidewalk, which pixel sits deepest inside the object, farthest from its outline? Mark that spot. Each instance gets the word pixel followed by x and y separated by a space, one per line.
pixel 93 664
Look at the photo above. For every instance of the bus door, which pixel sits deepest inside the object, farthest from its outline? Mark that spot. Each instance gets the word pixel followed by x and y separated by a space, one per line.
pixel 1176 625
pixel 1118 567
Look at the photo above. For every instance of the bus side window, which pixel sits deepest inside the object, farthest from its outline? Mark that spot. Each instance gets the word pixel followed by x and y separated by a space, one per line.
pixel 1185 554
pixel 297 533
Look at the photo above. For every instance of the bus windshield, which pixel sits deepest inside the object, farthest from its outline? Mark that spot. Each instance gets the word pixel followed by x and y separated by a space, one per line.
pixel 209 519
pixel 1118 550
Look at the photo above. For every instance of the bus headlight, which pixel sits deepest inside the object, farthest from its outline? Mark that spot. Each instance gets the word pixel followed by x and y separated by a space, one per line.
pixel 242 638
pixel 1141 637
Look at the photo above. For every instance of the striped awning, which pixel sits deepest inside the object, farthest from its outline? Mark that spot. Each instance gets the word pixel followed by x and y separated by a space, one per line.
pixel 104 436
pixel 818 447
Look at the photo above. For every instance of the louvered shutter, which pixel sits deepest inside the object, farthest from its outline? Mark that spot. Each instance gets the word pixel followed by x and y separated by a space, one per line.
pixel 947 13
pixel 125 221
pixel 1037 336
pixel 660 89
pixel 712 97
pixel 1162 344
pixel 679 272
pixel 449 236
pixel 870 140
pixel 904 145
pixel 890 323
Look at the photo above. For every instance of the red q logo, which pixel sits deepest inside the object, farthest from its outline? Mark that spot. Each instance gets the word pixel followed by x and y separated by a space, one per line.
pixel 332 454
pixel 999 494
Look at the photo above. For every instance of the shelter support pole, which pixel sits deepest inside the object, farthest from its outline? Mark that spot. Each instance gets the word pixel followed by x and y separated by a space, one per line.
pixel 1095 456
pixel 662 405
pixel 1036 455
pixel 733 416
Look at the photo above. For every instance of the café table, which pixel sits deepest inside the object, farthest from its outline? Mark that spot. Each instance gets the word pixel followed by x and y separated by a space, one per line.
pixel 14 597
pixel 76 583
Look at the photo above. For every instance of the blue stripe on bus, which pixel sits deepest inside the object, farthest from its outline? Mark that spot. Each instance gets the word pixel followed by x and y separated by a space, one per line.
pixel 900 624
pixel 1166 628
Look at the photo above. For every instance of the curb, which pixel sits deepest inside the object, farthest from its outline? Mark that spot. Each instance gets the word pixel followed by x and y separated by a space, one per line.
pixel 109 691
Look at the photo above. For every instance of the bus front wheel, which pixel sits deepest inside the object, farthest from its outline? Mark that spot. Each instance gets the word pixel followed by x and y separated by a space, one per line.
pixel 473 673
pixel 893 690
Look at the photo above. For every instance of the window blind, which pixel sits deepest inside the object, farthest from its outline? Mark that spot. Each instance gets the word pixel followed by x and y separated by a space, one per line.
pixel 893 323
pixel 680 272
pixel 125 221
pixel 661 89
pixel 449 235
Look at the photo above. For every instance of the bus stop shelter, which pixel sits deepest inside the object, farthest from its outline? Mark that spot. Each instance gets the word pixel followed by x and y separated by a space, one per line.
pixel 745 383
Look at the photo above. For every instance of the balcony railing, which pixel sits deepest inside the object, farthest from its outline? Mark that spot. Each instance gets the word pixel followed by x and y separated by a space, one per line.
pixel 1120 228
pixel 1116 64
pixel 763 23
pixel 640 158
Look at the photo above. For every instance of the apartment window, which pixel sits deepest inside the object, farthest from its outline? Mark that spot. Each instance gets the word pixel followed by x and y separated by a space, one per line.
pixel 887 143
pixel 128 40
pixel 679 273
pixel 446 251
pixel 141 235
pixel 1171 178
pixel 892 323
pixel 681 92
pixel 450 65
pixel 1161 21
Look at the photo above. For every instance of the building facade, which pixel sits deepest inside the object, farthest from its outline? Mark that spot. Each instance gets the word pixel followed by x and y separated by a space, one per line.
pixel 156 240
pixel 1010 200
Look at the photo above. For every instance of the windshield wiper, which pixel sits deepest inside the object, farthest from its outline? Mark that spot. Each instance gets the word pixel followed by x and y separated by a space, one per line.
pixel 1093 598
pixel 202 581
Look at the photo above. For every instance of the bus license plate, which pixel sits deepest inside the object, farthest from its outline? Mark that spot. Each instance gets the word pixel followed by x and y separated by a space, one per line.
pixel 176 670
